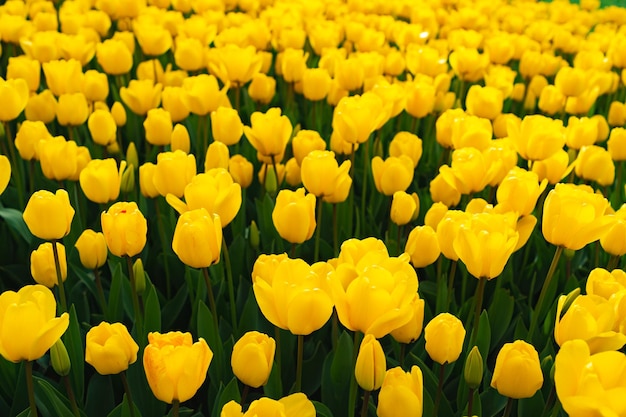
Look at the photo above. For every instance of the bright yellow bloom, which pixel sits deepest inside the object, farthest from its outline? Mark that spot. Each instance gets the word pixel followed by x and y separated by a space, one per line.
pixel 110 348
pixel 197 238
pixel 518 372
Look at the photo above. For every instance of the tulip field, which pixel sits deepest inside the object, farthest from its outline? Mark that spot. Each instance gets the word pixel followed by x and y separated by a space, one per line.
pixel 298 208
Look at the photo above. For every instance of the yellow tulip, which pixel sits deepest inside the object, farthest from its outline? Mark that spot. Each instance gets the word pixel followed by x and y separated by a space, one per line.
pixel 253 358
pixel 444 336
pixel 92 249
pixel 43 267
pixel 14 96
pixel 174 170
pixel 110 348
pixel 518 372
pixel 371 365
pixel 269 134
pixel 49 216
pixel 402 393
pixel 124 228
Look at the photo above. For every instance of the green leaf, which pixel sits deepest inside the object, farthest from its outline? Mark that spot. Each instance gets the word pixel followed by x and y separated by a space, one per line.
pixel 52 398
pixel 249 318
pixel 321 410
pixel 532 406
pixel 74 340
pixel 229 393
pixel 312 371
pixel 152 310
pixel 274 387
pixel 208 331
pixel 173 307
pixel 126 411
pixel 16 222
pixel 115 294
pixel 341 366
pixel 100 396
pixel 483 338
pixel 500 315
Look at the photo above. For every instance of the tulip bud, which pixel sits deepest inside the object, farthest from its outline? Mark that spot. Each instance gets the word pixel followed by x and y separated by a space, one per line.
pixel 43 266
pixel 517 373
pixel 370 364
pixel 254 235
pixel 140 276
pixel 119 113
pixel 127 184
pixel 444 336
pixel 92 249
pixel 132 158
pixel 271 182
pixel 403 207
pixel 60 359
pixel 180 138
pixel 252 358
pixel 473 371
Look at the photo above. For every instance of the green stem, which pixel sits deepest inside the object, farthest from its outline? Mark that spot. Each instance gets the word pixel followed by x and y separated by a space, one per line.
pixel 209 289
pixel 128 396
pixel 353 384
pixel 480 291
pixel 334 329
pixel 442 367
pixel 71 396
pixel 508 408
pixel 57 266
pixel 318 229
pixel 164 245
pixel 402 354
pixel 31 388
pixel 231 288
pixel 366 401
pixel 278 353
pixel 175 407
pixel 470 402
pixel 134 296
pixel 542 295
pixel 300 354
pixel 451 275
pixel 613 262
pixel 101 298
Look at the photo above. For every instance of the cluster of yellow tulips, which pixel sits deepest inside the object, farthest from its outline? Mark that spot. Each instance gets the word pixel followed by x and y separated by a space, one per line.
pixel 304 188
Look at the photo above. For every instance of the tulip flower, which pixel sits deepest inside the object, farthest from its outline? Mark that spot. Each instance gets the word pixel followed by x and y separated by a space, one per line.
pixel 226 125
pixel 294 215
pixel 423 246
pixel 519 191
pixel 14 95
pixel 100 180
pixel 371 365
pixel 124 228
pixel 537 137
pixel 92 249
pixel 406 143
pixel 306 141
pixel 517 373
pixel 241 170
pixel 154 40
pixel 401 393
pixel 49 216
pixel 203 95
pixel 404 207
pixel 253 358
pixel 25 68
pixel 234 64
pixel 63 77
pixel 174 170
pixel 262 88
pixel 141 96
pixel 269 134
pixel 102 127
pixel 594 163
pixel 412 330
pixel 471 131
pixel 28 137
pixel 315 83
pixel 30 312
pixel 321 174
pixel 484 101
pixel 356 117
pixel 420 99
pixel 217 156
pixel 198 238
pixel 42 264
pixel 110 348
pixel 393 174
pixel 444 336
pixel 5 173
pixel 294 297
pixel 158 127
pixel 114 57
pixel 292 405
pixel 146 180
pixel 175 366
pixel 96 86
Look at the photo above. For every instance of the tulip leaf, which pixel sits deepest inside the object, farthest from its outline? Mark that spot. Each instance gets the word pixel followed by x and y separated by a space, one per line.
pixel 250 315
pixel 500 315
pixel 532 406
pixel 321 410
pixel 51 399
pixel 483 338
pixel 123 410
pixel 19 397
pixel 115 293
pixel 333 394
pixel 227 393
pixel 311 370
pixel 8 377
pixel 274 386
pixel 492 403
pixel 152 310
pixel 173 307
pixel 100 397
pixel 14 220
pixel 74 340
pixel 341 367
pixel 210 333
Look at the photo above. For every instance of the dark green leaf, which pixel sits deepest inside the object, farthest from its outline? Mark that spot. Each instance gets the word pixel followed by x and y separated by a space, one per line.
pixel 74 340
pixel 15 221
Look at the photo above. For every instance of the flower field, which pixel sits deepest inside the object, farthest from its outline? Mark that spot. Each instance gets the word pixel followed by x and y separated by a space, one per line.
pixel 292 208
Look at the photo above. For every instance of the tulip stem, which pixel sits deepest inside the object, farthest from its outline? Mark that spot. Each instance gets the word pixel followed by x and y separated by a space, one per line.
pixel 480 292
pixel 613 262
pixel 100 290
pixel 442 368
pixel 278 353
pixel 542 295
pixel 451 275
pixel 175 407
pixel 318 229
pixel 31 388
pixel 353 385
pixel 57 265
pixel 300 354
pixel 366 401
pixel 131 405
pixel 470 402
pixel 209 289
pixel 402 354
pixel 135 298
pixel 508 408
pixel 164 245
pixel 71 396
pixel 231 288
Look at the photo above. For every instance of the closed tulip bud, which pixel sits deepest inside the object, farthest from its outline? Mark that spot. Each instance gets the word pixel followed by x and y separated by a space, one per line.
pixel 180 139
pixel 41 107
pixel 306 141
pixel 124 228
pixel 226 125
pixel 158 127
pixel 127 183
pixel 315 83
pixel 444 336
pixel 252 358
pixel 28 137
pixel 30 312
pixel 423 246
pixel 60 359
pixel 217 156
pixel 175 367
pixel 102 127
pixel 442 192
pixel 591 318
pixel 146 180
pixel 294 215
pixel 72 109
pixel 140 276
pixel 473 370
pixel 594 163
pixel 92 249
pixel 617 114
pixel 262 88
pixel 412 330
pixel 551 100
pixel 405 143
pixel 14 94
pixel 293 173
pixel 241 170
pixel 271 176
pixel 49 216
pixel 96 86
pixel 402 393
pixel 484 102
pixel 393 174
pixel 141 96
pixel 616 144
pixel 100 180
pixel 563 226
pixel 518 372
pixel 293 64
pixel 254 235
pixel 370 364
pixel 172 100
pixel 119 113
pixel 403 206
pixel 174 170
pixel 198 238
pixel 571 81
pixel 43 267
pixel 110 349
pixel 114 57
pixel 25 68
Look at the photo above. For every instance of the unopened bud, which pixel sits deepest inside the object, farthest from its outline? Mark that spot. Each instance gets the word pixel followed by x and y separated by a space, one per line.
pixel 132 158
pixel 473 371
pixel 271 181
pixel 60 359
pixel 254 235
pixel 140 276
pixel 128 179
pixel 569 299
